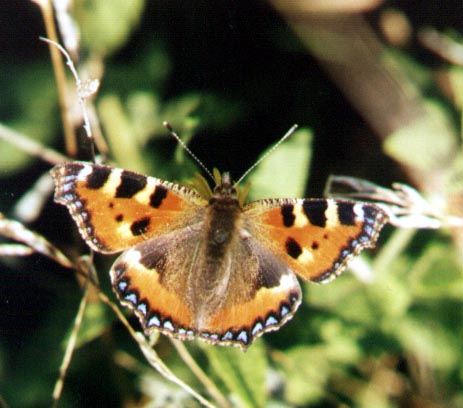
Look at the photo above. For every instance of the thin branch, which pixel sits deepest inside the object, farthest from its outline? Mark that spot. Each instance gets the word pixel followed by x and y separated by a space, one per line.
pixel 200 374
pixel 150 354
pixel 17 231
pixel 69 132
pixel 15 250
pixel 442 45
pixel 30 205
pixel 27 145
pixel 84 88
pixel 71 344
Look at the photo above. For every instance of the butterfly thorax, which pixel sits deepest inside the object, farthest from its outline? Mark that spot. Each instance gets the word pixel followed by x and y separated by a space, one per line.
pixel 223 214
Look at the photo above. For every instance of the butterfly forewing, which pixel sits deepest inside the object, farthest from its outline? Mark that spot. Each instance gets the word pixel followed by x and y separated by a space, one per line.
pixel 316 237
pixel 116 209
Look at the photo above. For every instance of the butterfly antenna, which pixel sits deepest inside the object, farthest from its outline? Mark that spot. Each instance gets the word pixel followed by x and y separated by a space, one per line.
pixel 185 147
pixel 285 136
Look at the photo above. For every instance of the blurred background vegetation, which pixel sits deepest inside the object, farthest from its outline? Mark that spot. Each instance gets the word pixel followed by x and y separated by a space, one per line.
pixel 376 87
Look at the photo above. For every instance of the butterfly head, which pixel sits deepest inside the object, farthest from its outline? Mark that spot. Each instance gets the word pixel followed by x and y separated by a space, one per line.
pixel 224 187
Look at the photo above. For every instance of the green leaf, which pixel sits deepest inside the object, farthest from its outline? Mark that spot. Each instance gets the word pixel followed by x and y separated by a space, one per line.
pixel 242 373
pixel 456 83
pixel 431 138
pixel 124 145
pixel 436 274
pixel 94 323
pixel 431 343
pixel 30 94
pixel 306 373
pixel 106 25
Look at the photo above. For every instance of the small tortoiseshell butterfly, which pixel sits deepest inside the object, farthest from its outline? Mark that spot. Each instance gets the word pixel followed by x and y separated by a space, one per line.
pixel 206 265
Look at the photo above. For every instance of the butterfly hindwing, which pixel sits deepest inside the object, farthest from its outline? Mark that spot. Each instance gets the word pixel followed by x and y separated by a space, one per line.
pixel 271 296
pixel 162 281
pixel 151 279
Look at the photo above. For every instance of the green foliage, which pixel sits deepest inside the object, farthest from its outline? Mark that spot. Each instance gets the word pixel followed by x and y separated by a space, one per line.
pixel 107 25
pixel 243 374
pixel 427 138
pixel 30 108
pixel 288 167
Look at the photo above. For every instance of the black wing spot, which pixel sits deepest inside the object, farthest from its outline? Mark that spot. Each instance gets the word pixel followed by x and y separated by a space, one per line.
pixel 140 227
pixel 315 245
pixel 131 184
pixel 119 218
pixel 287 212
pixel 159 194
pixel 98 177
pixel 293 249
pixel 315 212
pixel 346 213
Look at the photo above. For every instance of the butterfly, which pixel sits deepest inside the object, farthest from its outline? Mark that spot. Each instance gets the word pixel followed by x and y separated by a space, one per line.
pixel 203 264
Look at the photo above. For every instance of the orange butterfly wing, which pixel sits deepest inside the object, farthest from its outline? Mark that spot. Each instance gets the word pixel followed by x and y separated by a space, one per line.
pixel 116 209
pixel 316 237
